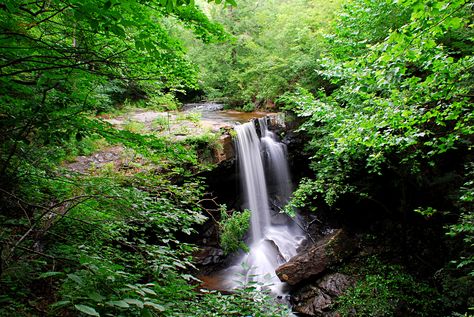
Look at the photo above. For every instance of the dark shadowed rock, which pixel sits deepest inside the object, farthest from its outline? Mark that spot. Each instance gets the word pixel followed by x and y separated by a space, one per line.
pixel 328 251
pixel 209 256
pixel 316 299
pixel 335 284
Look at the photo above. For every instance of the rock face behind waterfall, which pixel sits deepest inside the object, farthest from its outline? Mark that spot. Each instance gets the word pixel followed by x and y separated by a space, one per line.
pixel 328 251
pixel 225 151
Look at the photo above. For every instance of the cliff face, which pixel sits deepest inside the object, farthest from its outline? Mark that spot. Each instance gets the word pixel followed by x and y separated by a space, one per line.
pixel 224 151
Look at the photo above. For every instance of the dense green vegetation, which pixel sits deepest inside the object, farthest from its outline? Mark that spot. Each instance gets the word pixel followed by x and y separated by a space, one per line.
pixel 383 93
pixel 109 241
pixel 233 229
pixel 274 45
pixel 390 138
pixel 385 290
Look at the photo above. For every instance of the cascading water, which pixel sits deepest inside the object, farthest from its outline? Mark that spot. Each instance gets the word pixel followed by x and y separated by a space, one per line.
pixel 253 178
pixel 272 241
pixel 276 159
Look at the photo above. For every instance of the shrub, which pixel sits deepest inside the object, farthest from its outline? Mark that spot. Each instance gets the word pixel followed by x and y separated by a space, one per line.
pixel 233 228
pixel 387 290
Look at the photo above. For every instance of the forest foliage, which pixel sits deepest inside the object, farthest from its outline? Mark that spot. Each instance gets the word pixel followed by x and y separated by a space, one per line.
pixel 111 241
pixel 401 104
pixel 383 89
pixel 393 128
pixel 273 46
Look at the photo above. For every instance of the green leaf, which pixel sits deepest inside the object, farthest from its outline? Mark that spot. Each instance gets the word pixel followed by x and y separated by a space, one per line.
pixel 454 23
pixel 188 231
pixel 50 274
pixel 60 304
pixel 96 297
pixel 118 303
pixel 149 291
pixel 134 301
pixel 118 30
pixel 87 310
pixel 75 278
pixel 155 306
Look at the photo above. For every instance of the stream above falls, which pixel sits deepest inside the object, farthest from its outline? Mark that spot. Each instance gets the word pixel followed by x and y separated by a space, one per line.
pixel 215 113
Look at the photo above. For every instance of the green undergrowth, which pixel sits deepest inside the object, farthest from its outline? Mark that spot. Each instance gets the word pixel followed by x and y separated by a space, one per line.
pixel 110 243
pixel 387 290
pixel 155 101
pixel 233 229
pixel 111 238
pixel 237 304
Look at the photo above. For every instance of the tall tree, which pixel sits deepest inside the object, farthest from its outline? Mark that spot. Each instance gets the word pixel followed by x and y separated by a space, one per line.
pixel 275 45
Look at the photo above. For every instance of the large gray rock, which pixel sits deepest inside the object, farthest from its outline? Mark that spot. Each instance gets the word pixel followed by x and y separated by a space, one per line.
pixel 316 299
pixel 328 251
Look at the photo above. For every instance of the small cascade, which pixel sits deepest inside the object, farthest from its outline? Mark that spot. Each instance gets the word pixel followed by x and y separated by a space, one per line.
pixel 253 178
pixel 277 165
pixel 273 237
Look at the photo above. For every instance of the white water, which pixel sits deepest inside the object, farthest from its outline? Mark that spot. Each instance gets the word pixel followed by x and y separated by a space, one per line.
pixel 272 240
pixel 276 159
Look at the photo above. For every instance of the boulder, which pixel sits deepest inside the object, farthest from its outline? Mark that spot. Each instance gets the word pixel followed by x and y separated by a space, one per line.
pixel 335 284
pixel 311 301
pixel 330 250
pixel 316 299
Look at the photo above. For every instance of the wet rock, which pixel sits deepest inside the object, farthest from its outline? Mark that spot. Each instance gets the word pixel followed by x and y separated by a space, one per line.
pixel 312 301
pixel 209 256
pixel 335 284
pixel 276 250
pixel 316 299
pixel 277 121
pixel 330 250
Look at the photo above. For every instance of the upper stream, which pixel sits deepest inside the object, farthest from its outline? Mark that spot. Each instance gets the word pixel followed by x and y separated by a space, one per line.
pixel 213 112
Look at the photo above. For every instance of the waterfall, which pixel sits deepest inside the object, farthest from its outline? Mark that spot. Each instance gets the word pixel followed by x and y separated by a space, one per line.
pixel 273 236
pixel 276 158
pixel 253 178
